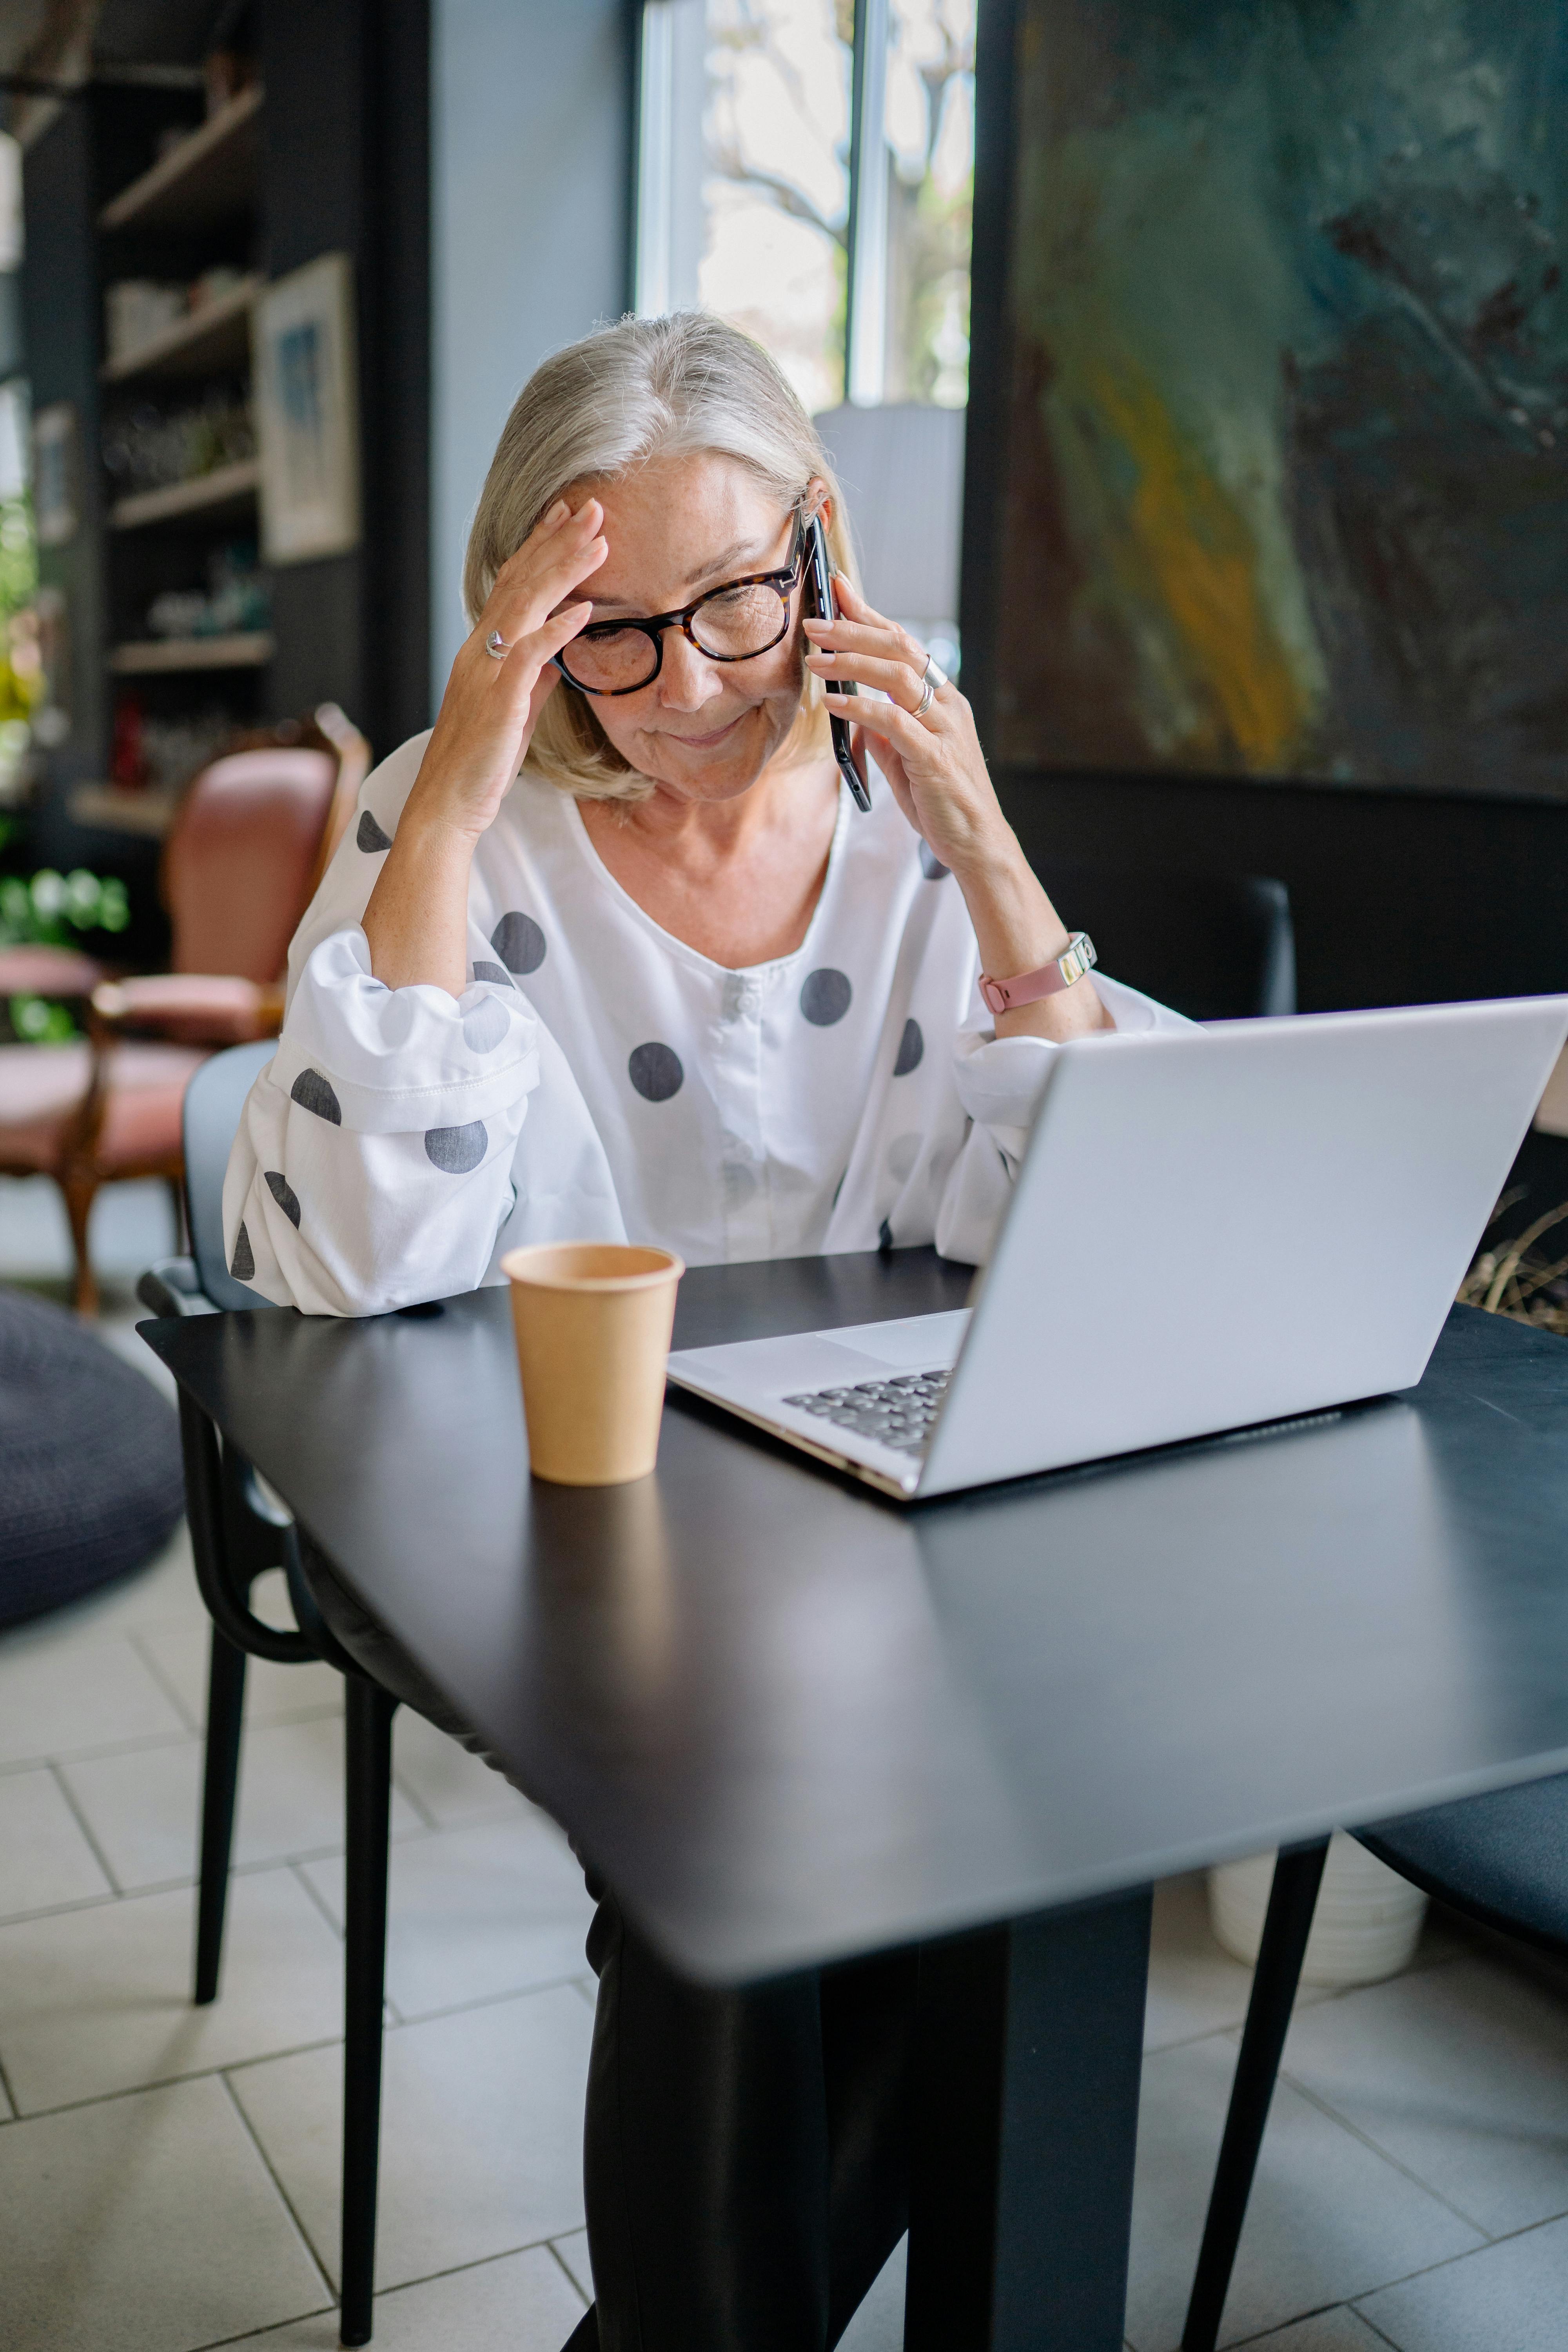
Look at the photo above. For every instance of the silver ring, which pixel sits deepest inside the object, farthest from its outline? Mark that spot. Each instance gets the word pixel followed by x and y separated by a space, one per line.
pixel 497 646
pixel 932 676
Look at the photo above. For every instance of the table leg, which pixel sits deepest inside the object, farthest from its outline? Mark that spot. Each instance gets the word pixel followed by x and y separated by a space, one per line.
pixel 1029 2049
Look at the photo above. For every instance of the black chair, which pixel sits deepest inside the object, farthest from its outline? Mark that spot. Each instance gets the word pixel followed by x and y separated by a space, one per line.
pixel 1217 946
pixel 1500 1859
pixel 238 1531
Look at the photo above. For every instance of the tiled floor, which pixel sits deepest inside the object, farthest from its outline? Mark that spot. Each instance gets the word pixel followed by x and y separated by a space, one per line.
pixel 168 2176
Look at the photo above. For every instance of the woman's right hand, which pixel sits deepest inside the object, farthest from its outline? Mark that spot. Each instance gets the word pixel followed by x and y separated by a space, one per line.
pixel 415 923
pixel 491 707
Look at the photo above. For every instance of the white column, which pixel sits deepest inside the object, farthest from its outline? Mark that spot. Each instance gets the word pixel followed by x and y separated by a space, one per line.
pixel 671 90
pixel 865 370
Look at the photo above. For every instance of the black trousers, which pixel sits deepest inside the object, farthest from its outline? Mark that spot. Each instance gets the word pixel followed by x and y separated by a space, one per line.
pixel 745 2153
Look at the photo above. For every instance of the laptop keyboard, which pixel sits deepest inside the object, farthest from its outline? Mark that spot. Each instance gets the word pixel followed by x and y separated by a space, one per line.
pixel 899 1413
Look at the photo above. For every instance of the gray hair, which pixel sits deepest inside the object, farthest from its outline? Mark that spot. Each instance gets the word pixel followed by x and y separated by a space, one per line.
pixel 681 386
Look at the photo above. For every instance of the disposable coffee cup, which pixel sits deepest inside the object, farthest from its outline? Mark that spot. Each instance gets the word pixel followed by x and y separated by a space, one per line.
pixel 592 1322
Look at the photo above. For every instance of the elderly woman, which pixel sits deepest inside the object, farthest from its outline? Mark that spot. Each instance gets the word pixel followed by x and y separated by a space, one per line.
pixel 611 953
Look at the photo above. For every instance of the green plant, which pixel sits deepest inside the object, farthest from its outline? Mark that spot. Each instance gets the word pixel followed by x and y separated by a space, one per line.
pixel 46 912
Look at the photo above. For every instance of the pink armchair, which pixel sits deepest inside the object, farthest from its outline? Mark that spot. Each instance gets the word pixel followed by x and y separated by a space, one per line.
pixel 250 842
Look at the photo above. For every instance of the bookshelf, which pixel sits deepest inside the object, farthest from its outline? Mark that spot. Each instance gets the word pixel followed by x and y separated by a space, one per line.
pixel 187 642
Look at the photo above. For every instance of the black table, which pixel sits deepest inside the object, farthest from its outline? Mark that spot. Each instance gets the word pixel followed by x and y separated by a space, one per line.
pixel 793 1722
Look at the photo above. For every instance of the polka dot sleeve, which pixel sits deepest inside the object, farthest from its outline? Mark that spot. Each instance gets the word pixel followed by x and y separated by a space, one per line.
pixel 374 1163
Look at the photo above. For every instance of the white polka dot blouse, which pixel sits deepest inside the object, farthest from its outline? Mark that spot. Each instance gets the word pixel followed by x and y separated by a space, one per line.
pixel 600 1080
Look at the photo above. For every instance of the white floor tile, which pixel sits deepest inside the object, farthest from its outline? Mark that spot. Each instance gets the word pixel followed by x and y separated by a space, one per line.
pixel 573 2253
pixel 476 1913
pixel 879 2325
pixel 518 2304
pixel 452 1786
pixel 57 1696
pixel 1329 2219
pixel 99 2000
pixel 1326 2331
pixel 1461 2074
pixel 148 2224
pixel 44 1857
pixel 481 2133
pixel 145 1808
pixel 1508 2298
pixel 1194 1988
pixel 273 1694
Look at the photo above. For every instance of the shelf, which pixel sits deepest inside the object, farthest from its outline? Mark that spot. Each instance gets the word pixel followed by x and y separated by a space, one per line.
pixel 212 341
pixel 227 487
pixel 208 177
pixel 148 814
pixel 247 650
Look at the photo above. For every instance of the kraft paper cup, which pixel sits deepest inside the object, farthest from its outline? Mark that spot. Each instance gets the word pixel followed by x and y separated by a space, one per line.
pixel 592 1322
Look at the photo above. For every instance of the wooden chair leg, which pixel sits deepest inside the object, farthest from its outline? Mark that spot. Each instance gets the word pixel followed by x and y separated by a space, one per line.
pixel 1292 1900
pixel 226 1707
pixel 368 1746
pixel 80 1192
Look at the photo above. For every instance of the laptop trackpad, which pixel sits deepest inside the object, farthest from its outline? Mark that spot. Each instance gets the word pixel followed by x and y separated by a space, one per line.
pixel 821 1360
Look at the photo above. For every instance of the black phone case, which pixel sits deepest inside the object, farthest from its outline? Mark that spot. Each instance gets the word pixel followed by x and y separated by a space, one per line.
pixel 821 606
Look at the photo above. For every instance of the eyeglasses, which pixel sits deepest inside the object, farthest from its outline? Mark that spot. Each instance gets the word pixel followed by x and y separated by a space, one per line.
pixel 731 623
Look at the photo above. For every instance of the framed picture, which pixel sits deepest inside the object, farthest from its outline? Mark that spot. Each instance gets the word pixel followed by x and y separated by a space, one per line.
pixel 307 412
pixel 1282 477
pixel 55 504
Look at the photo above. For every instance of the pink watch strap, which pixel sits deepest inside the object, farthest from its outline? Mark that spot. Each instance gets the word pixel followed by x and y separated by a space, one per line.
pixel 1077 958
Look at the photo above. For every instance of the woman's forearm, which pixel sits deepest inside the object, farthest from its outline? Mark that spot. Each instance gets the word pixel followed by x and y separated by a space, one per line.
pixel 1018 930
pixel 417 918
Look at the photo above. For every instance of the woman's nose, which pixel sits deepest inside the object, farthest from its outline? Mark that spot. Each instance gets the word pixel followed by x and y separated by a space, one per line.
pixel 687 679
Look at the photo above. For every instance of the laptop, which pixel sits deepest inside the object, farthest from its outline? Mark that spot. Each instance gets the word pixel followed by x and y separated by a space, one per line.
pixel 1211 1229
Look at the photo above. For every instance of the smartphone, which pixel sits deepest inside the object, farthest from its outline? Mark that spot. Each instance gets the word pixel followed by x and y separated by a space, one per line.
pixel 820 604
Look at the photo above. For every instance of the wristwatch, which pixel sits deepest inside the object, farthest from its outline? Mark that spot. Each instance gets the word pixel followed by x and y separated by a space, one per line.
pixel 1077 958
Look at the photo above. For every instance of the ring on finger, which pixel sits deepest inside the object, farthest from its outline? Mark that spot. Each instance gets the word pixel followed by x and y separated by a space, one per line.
pixel 931 676
pixel 497 646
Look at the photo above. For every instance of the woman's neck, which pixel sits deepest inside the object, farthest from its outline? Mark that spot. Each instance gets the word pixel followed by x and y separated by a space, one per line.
pixel 737 879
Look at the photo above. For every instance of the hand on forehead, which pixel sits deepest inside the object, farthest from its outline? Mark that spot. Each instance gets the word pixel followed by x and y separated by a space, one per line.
pixel 677 526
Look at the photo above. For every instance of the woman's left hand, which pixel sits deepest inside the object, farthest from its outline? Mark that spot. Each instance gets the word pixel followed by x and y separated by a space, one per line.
pixel 937 774
pixel 933 764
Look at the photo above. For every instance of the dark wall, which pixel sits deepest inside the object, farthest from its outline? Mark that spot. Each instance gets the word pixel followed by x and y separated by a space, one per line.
pixel 1398 898
pixel 347 169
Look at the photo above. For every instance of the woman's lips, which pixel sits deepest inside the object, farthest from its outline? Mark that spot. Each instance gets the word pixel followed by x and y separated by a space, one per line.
pixel 702 742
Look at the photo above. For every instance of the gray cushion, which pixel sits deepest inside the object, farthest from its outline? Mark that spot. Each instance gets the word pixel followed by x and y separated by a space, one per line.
pixel 89 1461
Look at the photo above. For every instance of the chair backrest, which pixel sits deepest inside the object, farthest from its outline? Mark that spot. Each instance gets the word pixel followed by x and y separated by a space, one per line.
pixel 213 1100
pixel 240 855
pixel 354 766
pixel 1217 946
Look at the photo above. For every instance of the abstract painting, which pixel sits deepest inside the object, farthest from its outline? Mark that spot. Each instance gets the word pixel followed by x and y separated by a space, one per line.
pixel 1286 486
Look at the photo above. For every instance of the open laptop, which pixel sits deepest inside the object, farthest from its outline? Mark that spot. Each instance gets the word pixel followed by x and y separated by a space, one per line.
pixel 1212 1228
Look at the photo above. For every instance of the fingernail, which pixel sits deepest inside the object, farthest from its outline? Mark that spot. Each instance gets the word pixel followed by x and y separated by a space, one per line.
pixel 557 511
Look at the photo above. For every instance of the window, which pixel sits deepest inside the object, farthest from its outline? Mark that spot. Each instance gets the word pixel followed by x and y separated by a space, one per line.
pixel 806 168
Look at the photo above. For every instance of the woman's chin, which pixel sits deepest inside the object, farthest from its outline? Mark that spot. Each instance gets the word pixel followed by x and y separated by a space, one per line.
pixel 714 769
